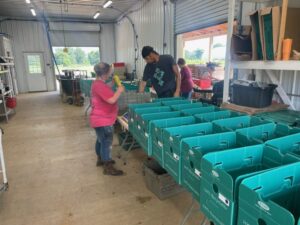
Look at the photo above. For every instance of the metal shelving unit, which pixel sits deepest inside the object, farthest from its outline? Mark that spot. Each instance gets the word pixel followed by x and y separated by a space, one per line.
pixel 268 66
pixel 8 80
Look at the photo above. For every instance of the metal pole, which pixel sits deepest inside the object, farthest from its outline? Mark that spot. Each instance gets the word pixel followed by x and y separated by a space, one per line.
pixel 3 169
pixel 231 10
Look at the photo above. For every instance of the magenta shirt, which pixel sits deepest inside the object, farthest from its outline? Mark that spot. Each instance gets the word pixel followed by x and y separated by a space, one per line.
pixel 186 80
pixel 103 113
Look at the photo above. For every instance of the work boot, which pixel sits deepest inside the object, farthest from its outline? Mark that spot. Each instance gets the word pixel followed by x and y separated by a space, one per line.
pixel 109 169
pixel 101 163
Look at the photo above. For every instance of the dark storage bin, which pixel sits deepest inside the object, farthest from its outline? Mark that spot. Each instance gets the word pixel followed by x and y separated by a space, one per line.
pixel 158 181
pixel 252 94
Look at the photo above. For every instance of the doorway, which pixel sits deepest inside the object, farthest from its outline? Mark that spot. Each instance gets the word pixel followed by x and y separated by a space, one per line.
pixel 35 72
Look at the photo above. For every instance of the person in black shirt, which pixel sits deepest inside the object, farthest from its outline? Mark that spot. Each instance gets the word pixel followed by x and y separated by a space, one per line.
pixel 163 73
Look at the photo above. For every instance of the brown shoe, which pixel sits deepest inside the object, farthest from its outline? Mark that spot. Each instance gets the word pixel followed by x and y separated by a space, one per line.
pixel 109 169
pixel 101 163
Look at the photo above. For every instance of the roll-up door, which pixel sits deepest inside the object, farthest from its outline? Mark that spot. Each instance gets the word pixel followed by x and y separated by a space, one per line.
pixel 197 14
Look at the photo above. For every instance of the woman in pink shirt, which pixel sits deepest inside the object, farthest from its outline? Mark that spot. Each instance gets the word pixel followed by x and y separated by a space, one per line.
pixel 187 83
pixel 103 116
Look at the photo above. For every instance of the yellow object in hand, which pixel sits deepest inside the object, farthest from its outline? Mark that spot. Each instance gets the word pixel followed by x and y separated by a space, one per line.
pixel 117 80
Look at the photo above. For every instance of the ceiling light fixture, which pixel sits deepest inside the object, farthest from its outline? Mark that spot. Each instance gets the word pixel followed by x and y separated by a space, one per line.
pixel 33 11
pixel 96 15
pixel 27 1
pixel 107 4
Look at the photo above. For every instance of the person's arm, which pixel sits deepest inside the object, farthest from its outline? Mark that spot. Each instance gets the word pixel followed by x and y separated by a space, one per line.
pixel 116 95
pixel 178 80
pixel 142 86
pixel 146 77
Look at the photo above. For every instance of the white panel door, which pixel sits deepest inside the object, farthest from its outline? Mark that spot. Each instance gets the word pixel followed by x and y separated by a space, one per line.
pixel 35 71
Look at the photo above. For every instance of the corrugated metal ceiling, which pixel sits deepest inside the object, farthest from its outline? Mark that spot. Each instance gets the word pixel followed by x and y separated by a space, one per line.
pixel 71 9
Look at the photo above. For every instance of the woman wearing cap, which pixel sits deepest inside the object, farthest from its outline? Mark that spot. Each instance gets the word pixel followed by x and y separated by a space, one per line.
pixel 103 116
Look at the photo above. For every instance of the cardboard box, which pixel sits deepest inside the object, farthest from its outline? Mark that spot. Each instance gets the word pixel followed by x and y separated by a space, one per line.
pixel 270 21
pixel 241 43
pixel 257 37
pixel 292 27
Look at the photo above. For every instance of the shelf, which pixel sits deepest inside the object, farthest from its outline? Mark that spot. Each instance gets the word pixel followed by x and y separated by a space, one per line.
pixel 7 64
pixel 3 71
pixel 291 65
pixel 7 92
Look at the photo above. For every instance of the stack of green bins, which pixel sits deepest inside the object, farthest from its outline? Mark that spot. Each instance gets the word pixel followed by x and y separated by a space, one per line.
pixel 239 122
pixel 172 139
pixel 261 133
pixel 289 145
pixel 193 149
pixel 172 145
pixel 206 109
pixel 133 107
pixel 159 100
pixel 222 172
pixel 188 106
pixel 143 133
pixel 137 120
pixel 175 102
pixel 157 128
pixel 271 197
pixel 211 116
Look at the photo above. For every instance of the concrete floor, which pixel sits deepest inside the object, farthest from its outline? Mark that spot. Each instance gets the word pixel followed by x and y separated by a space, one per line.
pixel 53 179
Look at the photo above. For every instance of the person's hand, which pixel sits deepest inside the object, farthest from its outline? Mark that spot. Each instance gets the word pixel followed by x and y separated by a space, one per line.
pixel 176 94
pixel 121 89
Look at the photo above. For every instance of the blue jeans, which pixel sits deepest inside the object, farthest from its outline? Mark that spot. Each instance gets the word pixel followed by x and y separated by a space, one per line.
pixel 187 95
pixel 104 142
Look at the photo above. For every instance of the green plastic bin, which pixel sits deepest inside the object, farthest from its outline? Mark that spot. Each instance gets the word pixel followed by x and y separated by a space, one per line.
pixel 176 102
pixel 157 128
pixel 143 128
pixel 262 133
pixel 211 116
pixel 136 119
pixel 232 124
pixel 279 147
pixel 193 149
pixel 271 198
pixel 207 109
pixel 167 99
pixel 172 141
pixel 288 117
pixel 188 106
pixel 133 107
pixel 222 174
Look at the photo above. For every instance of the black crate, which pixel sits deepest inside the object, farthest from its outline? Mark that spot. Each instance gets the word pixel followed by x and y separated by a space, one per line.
pixel 253 95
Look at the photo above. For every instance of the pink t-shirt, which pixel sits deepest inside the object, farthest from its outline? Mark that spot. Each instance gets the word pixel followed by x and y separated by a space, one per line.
pixel 103 113
pixel 186 80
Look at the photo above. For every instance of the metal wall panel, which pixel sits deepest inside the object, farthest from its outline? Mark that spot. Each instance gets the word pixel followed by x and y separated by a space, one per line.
pixel 148 22
pixel 28 36
pixel 107 43
pixel 194 14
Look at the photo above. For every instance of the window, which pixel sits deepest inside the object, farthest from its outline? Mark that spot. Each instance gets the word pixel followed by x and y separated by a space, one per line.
pixel 202 46
pixel 76 58
pixel 34 64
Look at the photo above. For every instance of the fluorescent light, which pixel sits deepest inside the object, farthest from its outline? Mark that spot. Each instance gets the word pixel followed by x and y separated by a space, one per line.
pixel 97 14
pixel 27 1
pixel 33 11
pixel 107 4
